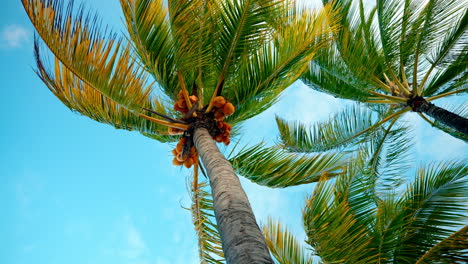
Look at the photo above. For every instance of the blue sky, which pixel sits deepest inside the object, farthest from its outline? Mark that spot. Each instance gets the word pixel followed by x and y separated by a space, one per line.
pixel 76 191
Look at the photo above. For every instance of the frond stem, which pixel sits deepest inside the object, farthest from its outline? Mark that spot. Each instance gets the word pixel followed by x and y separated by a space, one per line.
pixel 379 102
pixel 164 123
pixel 426 119
pixel 389 97
pixel 165 116
pixel 184 90
pixel 445 94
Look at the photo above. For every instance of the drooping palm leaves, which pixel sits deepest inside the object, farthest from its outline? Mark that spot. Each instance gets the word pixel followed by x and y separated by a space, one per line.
pixel 403 228
pixel 400 54
pixel 352 219
pixel 247 51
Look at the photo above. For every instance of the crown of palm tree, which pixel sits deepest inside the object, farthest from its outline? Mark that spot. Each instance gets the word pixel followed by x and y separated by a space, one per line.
pixel 399 54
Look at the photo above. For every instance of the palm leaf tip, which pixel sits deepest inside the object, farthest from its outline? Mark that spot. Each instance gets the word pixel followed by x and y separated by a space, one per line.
pixel 283 245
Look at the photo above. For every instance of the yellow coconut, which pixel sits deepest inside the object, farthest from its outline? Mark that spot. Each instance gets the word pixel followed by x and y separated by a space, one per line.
pixel 228 109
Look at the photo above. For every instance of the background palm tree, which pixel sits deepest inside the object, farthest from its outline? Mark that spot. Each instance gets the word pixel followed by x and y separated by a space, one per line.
pixel 246 51
pixel 398 56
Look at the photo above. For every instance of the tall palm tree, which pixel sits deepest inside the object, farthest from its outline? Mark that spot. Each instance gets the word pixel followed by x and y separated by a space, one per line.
pixel 208 57
pixel 398 55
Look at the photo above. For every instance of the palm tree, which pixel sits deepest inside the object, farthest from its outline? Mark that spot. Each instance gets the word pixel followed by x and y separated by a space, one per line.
pixel 364 216
pixel 398 56
pixel 208 57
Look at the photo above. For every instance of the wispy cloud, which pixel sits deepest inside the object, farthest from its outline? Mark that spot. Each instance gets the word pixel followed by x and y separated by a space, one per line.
pixel 135 245
pixel 14 36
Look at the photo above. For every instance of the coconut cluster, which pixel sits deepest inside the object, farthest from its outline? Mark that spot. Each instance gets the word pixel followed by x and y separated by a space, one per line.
pixel 185 153
pixel 222 108
pixel 224 133
pixel 181 158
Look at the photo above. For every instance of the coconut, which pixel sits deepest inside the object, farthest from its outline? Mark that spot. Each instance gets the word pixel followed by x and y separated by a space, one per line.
pixel 228 109
pixel 176 162
pixel 193 99
pixel 179 148
pixel 227 126
pixel 181 103
pixel 219 102
pixel 188 163
pixel 180 157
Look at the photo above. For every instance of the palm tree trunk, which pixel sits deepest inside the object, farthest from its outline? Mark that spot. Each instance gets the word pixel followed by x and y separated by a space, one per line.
pixel 243 242
pixel 447 118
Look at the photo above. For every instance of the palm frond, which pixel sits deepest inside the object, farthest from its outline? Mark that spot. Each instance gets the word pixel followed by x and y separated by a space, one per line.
pixel 209 240
pixel 332 228
pixel 279 62
pixel 437 17
pixel 150 33
pixel 452 249
pixel 283 245
pixel 244 27
pixel 433 205
pixel 98 59
pixel 81 98
pixel 274 167
pixel 329 73
pixel 450 48
pixel 388 156
pixel 451 78
pixel 343 129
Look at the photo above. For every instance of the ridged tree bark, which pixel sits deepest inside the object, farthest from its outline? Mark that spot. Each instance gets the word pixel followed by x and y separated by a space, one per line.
pixel 447 118
pixel 243 242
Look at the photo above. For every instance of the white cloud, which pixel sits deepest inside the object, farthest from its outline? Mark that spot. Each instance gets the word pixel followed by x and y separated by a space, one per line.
pixel 14 36
pixel 135 249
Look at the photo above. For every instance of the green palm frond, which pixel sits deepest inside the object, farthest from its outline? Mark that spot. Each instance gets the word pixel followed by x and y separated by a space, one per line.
pixel 345 223
pixel 433 205
pixel 279 62
pixel 164 40
pixel 274 167
pixel 328 73
pixel 100 60
pixel 451 79
pixel 284 246
pixel 451 53
pixel 244 25
pixel 452 248
pixel 388 156
pixel 150 33
pixel 332 227
pixel 80 97
pixel 346 127
pixel 209 240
